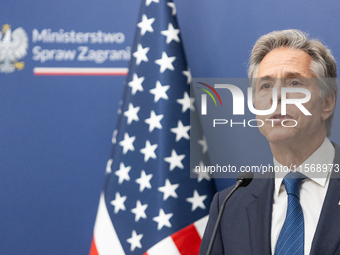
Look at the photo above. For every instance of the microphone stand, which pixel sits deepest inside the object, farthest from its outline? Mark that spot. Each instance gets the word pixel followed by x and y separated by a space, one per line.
pixel 242 181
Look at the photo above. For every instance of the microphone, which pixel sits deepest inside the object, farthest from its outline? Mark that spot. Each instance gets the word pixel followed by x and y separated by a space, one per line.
pixel 243 180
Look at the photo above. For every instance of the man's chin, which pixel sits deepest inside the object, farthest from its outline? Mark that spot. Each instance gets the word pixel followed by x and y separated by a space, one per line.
pixel 280 135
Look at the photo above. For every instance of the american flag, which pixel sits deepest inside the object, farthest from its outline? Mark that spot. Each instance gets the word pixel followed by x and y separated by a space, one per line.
pixel 149 204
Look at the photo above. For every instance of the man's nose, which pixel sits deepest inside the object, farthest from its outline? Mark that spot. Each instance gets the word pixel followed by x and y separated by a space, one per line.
pixel 278 86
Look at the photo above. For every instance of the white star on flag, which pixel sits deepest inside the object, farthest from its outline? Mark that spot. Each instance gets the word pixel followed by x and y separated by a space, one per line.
pixel 114 136
pixel 148 2
pixel 108 166
pixel 175 160
pixel 171 34
pixel 154 121
pixel 149 151
pixel 123 173
pixel 163 219
pixel 127 143
pixel 145 25
pixel 134 240
pixel 168 190
pixel 186 102
pixel 140 54
pixel 160 91
pixel 181 131
pixel 165 62
pixel 139 211
pixel 204 144
pixel 188 75
pixel 131 113
pixel 173 7
pixel 136 84
pixel 119 111
pixel 118 203
pixel 196 201
pixel 144 181
pixel 202 175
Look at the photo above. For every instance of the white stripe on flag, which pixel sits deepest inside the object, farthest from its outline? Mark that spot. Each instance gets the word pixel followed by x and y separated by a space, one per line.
pixel 168 246
pixel 105 236
pixel 164 247
pixel 201 224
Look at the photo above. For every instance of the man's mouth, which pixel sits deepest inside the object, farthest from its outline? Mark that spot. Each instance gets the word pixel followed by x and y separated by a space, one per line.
pixel 280 117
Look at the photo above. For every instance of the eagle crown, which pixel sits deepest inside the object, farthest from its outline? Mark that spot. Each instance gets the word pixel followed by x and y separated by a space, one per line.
pixel 5 28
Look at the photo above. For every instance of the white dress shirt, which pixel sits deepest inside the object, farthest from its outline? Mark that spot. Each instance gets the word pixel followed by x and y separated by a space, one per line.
pixel 312 194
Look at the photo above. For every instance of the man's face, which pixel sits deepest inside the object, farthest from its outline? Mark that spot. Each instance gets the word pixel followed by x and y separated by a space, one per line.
pixel 284 67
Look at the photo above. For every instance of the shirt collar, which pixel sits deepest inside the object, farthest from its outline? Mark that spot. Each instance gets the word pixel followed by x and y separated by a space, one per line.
pixel 323 155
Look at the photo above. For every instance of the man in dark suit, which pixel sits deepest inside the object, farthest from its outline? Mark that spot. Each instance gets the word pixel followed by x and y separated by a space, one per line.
pixel 287 213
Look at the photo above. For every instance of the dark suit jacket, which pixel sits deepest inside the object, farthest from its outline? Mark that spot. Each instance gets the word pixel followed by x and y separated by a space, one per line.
pixel 246 223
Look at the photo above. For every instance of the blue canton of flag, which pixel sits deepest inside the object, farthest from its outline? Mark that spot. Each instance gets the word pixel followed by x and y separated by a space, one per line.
pixel 150 205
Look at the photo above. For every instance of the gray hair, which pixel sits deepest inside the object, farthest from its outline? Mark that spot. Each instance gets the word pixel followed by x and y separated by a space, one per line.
pixel 323 63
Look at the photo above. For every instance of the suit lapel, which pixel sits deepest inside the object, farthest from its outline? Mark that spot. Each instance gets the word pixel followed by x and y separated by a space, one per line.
pixel 327 235
pixel 259 217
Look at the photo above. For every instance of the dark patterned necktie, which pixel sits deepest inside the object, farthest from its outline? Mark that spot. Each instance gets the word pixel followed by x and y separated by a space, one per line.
pixel 292 235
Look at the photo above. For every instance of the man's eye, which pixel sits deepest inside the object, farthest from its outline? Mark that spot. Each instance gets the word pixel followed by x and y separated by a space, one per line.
pixel 265 86
pixel 295 83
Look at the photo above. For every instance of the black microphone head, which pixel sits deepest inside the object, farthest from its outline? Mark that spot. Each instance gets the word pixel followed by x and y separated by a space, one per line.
pixel 245 178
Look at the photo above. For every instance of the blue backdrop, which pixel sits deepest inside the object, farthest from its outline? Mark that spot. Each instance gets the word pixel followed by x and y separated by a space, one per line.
pixel 55 131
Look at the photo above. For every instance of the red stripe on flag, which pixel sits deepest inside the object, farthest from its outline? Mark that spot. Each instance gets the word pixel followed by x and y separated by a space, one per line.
pixel 93 250
pixel 187 240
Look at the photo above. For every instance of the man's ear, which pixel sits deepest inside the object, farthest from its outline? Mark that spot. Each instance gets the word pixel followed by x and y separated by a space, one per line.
pixel 328 106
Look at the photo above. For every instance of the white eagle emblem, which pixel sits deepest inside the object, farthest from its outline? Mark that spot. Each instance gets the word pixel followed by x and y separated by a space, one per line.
pixel 13 46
